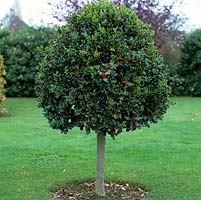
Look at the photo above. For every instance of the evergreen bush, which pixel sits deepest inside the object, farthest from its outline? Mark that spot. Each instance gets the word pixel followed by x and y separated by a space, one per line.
pixel 21 58
pixel 103 73
pixel 190 64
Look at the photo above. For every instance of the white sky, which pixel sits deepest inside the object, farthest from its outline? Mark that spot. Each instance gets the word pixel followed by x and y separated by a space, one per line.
pixel 35 11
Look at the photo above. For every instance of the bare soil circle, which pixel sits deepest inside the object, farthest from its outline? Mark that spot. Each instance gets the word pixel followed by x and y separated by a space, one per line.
pixel 115 190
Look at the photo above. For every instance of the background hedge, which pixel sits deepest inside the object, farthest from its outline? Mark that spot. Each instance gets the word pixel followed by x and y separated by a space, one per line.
pixel 190 64
pixel 21 58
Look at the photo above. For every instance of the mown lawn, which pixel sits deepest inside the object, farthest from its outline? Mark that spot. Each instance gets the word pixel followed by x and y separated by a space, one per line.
pixel 166 158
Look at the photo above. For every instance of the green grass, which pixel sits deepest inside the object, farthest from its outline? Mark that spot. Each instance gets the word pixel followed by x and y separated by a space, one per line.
pixel 166 158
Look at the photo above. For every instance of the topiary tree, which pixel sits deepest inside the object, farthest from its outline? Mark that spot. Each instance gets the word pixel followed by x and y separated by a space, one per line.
pixel 2 80
pixel 190 63
pixel 102 73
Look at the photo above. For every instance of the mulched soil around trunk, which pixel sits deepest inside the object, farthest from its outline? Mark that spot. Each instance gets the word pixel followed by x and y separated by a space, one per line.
pixel 115 190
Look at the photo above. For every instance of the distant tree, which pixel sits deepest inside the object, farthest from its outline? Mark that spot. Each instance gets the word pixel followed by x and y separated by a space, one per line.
pixel 13 19
pixel 102 72
pixel 6 20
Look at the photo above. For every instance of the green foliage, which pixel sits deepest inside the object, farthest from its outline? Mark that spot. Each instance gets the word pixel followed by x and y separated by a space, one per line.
pixel 171 52
pixel 102 73
pixel 2 80
pixel 190 69
pixel 175 83
pixel 4 33
pixel 21 58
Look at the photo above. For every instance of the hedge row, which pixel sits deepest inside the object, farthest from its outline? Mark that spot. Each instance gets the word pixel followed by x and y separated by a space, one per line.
pixel 21 58
pixel 190 64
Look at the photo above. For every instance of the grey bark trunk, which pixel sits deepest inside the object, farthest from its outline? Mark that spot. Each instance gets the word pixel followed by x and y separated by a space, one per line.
pixel 100 188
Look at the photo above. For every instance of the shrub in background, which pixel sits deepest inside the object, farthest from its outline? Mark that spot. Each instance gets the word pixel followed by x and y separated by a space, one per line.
pixel 190 64
pixel 21 58
pixel 102 73
pixel 2 81
pixel 171 52
pixel 175 83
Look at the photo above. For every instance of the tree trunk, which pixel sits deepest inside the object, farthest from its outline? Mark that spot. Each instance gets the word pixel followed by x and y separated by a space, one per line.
pixel 100 188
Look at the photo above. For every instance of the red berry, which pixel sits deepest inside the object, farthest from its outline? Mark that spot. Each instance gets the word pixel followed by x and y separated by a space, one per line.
pixel 108 67
pixel 77 73
pixel 116 61
pixel 125 82
pixel 132 118
pixel 131 93
pixel 104 75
